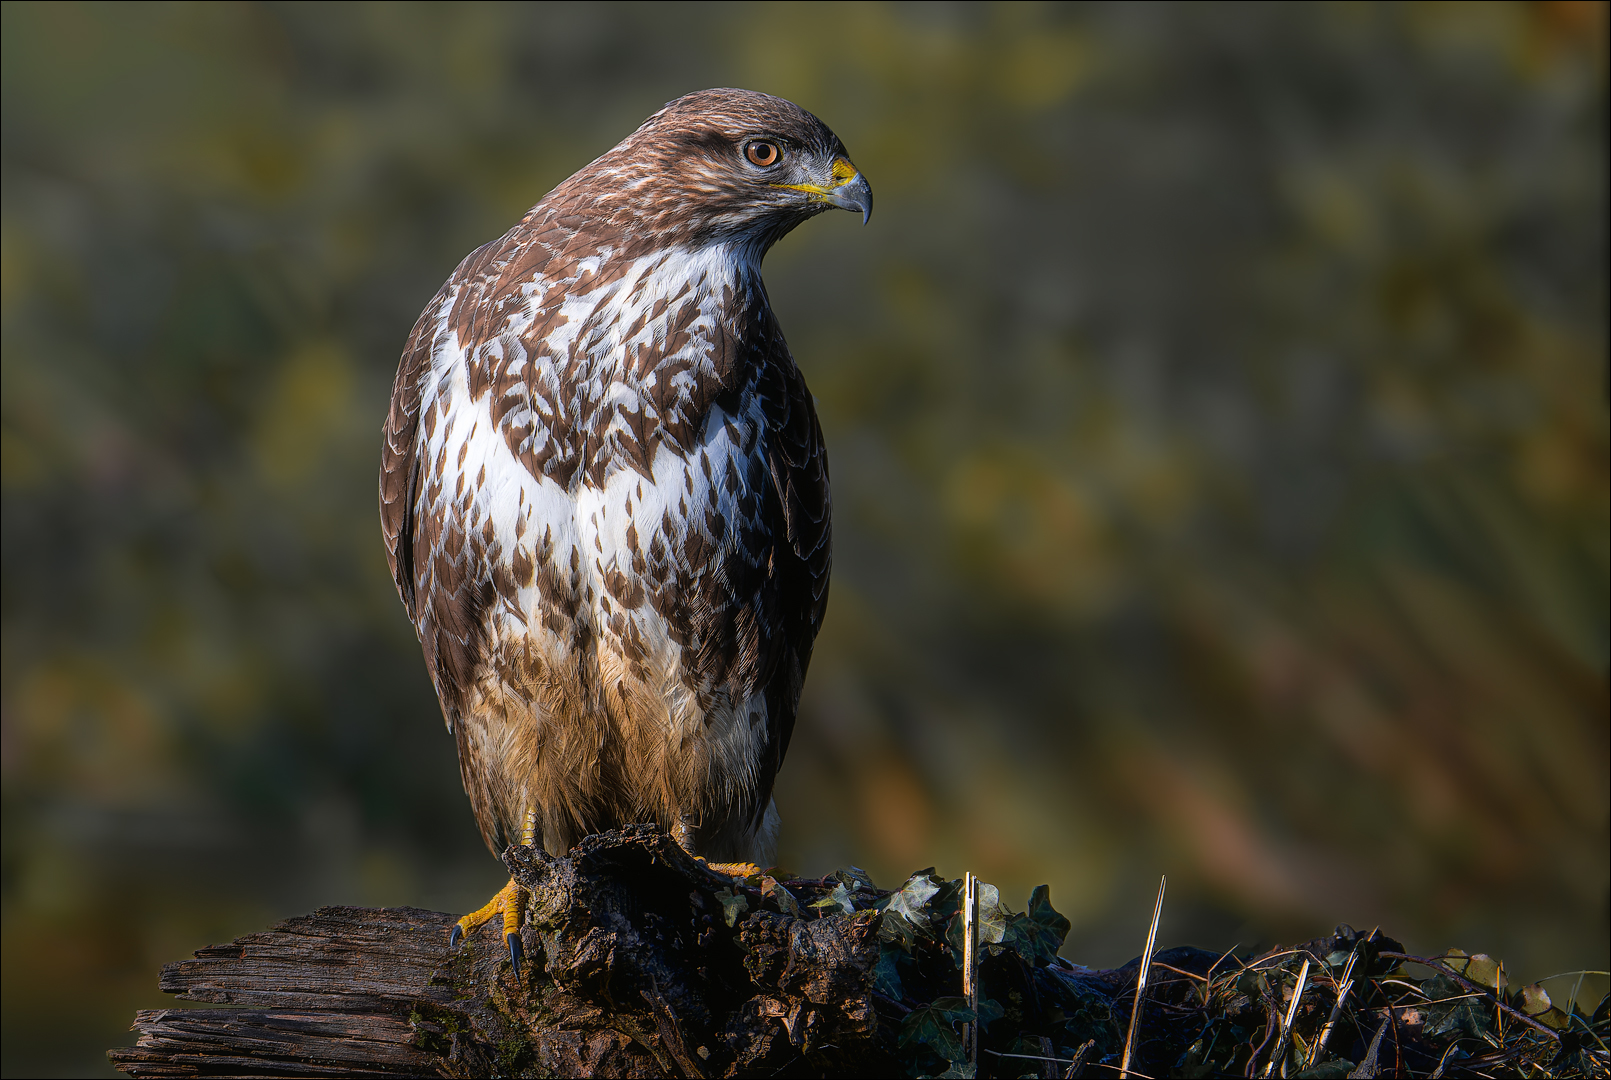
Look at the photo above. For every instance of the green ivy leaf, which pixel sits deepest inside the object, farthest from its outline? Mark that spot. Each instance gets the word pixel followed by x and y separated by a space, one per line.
pixel 733 905
pixel 1041 910
pixel 993 920
pixel 933 1025
pixel 1484 970
pixel 904 917
pixel 993 917
pixel 887 973
pixel 897 929
pixel 838 902
pixel 912 898
pixel 1534 1001
pixel 1037 934
pixel 772 890
pixel 1450 1008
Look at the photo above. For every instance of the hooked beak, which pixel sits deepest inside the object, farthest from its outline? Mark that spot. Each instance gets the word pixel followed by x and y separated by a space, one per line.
pixel 847 189
pixel 854 194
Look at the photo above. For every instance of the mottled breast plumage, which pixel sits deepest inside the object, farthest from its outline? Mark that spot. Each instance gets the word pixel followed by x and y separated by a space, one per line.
pixel 604 489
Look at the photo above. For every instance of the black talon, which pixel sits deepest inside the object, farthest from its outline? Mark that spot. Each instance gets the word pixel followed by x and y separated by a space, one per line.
pixel 517 952
pixel 456 936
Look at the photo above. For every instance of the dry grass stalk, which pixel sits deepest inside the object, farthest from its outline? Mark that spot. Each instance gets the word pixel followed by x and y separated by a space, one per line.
pixel 1343 988
pixel 1141 978
pixel 1280 1052
pixel 970 965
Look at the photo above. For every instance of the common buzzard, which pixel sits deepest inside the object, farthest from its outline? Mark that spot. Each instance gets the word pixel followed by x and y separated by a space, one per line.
pixel 605 496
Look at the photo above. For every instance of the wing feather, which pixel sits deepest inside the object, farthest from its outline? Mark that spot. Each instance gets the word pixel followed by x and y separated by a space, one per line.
pixel 442 579
pixel 767 602
pixel 798 462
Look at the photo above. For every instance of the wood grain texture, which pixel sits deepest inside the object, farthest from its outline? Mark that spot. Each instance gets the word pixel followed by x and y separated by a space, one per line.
pixel 633 971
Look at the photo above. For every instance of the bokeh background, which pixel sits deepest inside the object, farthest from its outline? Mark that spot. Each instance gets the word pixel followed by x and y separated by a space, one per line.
pixel 1217 408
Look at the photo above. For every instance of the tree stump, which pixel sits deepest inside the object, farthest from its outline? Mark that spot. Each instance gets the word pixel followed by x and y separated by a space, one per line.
pixel 640 961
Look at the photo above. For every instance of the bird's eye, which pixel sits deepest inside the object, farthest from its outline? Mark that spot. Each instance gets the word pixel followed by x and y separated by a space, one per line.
pixel 763 153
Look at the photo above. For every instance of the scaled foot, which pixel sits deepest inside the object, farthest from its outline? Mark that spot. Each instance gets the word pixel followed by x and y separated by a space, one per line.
pixel 510 902
pixel 734 869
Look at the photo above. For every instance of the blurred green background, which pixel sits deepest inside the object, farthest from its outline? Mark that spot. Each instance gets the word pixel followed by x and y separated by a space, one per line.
pixel 1217 406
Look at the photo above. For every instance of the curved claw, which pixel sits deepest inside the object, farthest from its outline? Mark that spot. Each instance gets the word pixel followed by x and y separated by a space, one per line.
pixel 508 902
pixel 517 952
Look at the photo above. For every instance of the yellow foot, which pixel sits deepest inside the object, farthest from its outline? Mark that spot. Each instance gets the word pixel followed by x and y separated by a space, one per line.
pixel 510 901
pixel 734 869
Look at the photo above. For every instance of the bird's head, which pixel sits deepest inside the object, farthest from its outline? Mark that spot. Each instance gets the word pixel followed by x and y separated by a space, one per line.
pixel 723 166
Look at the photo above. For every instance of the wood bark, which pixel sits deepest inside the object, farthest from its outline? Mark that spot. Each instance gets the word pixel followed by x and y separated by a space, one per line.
pixel 640 961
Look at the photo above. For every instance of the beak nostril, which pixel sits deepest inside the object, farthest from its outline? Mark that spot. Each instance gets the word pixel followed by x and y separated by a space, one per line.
pixel 854 194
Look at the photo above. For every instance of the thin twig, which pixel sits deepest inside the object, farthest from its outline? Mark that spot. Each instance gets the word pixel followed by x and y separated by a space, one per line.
pixel 1223 958
pixel 1134 1075
pixel 1253 1060
pixel 1181 971
pixel 1047 1069
pixel 1079 1058
pixel 1208 989
pixel 1263 962
pixel 1444 1060
pixel 1371 1063
pixel 1141 978
pixel 1499 1016
pixel 1208 1055
pixel 1398 1047
pixel 889 1002
pixel 1457 997
pixel 1405 984
pixel 1076 1068
pixel 1571 1002
pixel 1568 974
pixel 1578 1017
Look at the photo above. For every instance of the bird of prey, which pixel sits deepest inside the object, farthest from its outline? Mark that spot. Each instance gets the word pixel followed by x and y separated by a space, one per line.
pixel 604 491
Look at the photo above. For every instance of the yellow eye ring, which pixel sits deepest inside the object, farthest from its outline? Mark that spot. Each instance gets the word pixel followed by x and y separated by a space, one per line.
pixel 763 153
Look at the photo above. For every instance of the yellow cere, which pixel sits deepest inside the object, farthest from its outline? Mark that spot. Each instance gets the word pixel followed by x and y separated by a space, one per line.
pixel 843 173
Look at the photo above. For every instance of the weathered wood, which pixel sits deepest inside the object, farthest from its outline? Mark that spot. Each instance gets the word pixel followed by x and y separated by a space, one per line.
pixel 343 991
pixel 365 957
pixel 633 970
pixel 234 1042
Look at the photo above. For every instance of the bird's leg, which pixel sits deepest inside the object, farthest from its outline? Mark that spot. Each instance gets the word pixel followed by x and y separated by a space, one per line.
pixel 509 901
pixel 683 833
